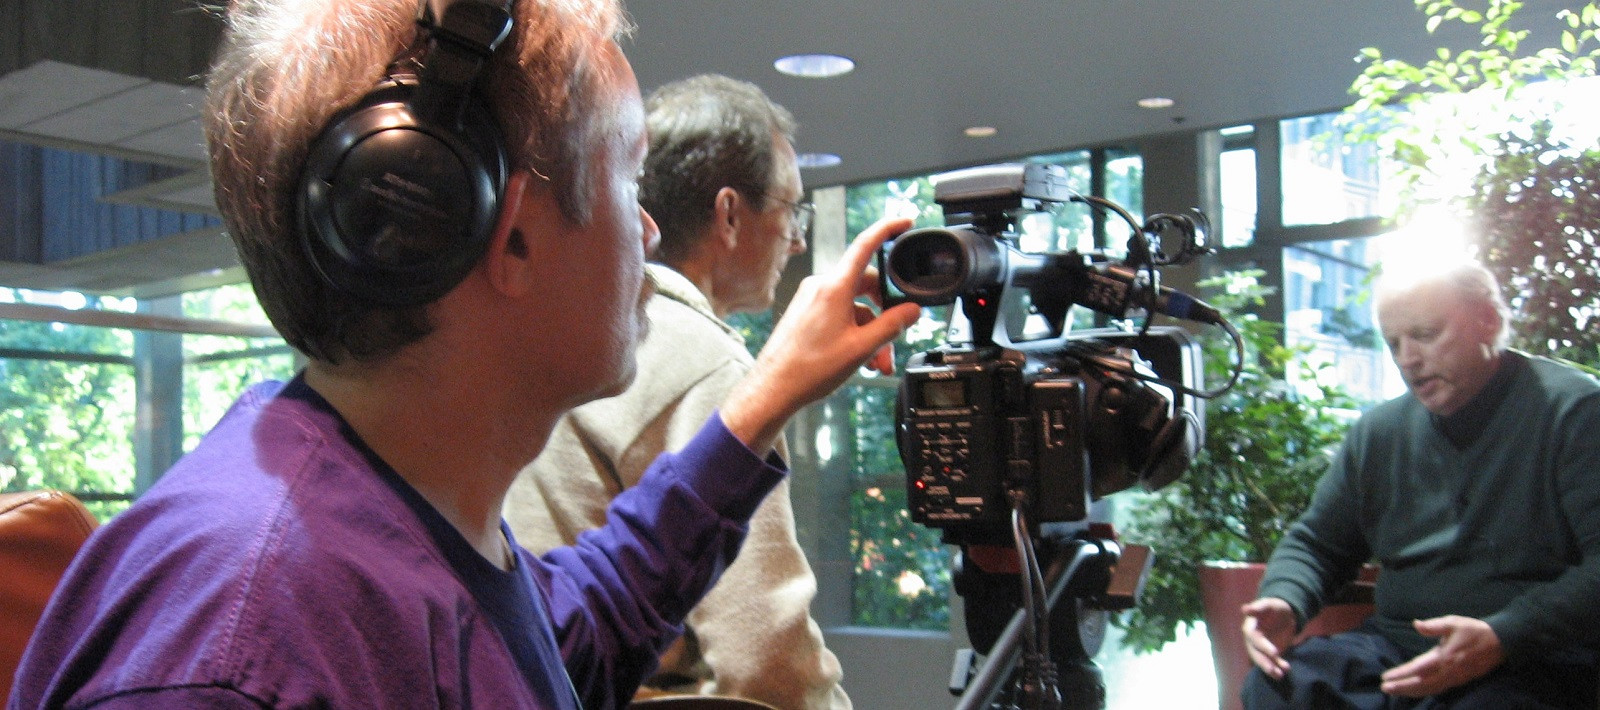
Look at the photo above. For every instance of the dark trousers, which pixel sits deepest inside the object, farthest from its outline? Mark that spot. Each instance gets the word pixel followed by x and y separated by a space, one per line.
pixel 1343 671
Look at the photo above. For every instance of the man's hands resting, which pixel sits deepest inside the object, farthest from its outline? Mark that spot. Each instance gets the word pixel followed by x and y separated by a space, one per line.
pixel 1467 649
pixel 1269 627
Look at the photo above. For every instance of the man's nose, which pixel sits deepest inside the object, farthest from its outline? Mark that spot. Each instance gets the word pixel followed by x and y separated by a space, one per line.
pixel 1405 354
pixel 797 243
pixel 652 233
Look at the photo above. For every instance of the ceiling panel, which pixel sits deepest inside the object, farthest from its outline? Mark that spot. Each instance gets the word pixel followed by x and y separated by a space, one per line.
pixel 45 89
pixel 1048 74
pixel 182 139
pixel 114 117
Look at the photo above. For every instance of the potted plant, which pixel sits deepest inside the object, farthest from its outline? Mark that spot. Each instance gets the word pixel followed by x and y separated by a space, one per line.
pixel 1267 442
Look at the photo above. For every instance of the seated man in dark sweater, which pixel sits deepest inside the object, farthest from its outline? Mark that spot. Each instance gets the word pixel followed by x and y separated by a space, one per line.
pixel 1478 491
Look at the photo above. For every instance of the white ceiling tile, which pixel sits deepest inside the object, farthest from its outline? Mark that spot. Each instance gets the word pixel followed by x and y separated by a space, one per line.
pixel 179 140
pixel 49 88
pixel 114 117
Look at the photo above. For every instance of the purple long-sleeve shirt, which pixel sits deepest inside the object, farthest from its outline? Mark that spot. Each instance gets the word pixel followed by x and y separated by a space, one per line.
pixel 283 564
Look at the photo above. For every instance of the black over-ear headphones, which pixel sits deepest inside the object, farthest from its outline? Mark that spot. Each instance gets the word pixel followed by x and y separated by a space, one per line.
pixel 400 192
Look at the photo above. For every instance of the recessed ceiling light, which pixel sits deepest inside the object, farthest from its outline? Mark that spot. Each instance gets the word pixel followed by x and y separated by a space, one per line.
pixel 980 131
pixel 817 160
pixel 1156 102
pixel 814 65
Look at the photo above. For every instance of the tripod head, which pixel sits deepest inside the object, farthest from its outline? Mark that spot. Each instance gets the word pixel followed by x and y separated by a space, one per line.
pixel 1089 575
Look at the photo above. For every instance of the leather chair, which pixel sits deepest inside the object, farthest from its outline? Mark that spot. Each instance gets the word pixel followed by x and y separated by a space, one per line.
pixel 40 531
pixel 1224 588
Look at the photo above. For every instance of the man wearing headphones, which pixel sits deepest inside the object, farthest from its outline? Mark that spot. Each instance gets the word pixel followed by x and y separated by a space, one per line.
pixel 721 182
pixel 336 541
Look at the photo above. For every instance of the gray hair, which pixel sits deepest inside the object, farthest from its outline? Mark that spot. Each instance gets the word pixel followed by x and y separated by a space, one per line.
pixel 706 132
pixel 285 67
pixel 1469 280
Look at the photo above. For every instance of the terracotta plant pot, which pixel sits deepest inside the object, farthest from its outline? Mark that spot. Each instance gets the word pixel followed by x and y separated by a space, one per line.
pixel 1226 586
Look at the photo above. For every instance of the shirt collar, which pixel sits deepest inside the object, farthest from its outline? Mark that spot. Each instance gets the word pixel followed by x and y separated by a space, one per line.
pixel 1467 424
pixel 676 286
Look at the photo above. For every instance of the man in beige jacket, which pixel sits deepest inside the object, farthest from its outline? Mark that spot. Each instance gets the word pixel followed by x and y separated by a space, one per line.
pixel 721 181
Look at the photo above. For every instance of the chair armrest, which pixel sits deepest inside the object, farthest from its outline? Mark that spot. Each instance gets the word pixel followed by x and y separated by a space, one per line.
pixel 40 532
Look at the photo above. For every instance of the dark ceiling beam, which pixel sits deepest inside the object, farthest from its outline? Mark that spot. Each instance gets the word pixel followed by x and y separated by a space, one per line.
pixel 163 40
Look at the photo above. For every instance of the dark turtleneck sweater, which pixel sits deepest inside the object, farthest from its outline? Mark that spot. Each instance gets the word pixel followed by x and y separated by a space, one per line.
pixel 1492 512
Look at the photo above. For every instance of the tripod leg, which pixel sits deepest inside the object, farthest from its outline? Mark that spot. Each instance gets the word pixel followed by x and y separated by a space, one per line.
pixel 961 670
pixel 1082 685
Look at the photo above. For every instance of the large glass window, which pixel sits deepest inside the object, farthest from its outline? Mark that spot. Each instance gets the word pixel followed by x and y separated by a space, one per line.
pixel 218 368
pixel 1327 179
pixel 1124 181
pixel 92 385
pixel 1329 311
pixel 66 403
pixel 900 571
pixel 1237 178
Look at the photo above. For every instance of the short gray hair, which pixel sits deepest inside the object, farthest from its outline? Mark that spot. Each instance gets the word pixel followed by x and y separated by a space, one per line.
pixel 1470 280
pixel 707 132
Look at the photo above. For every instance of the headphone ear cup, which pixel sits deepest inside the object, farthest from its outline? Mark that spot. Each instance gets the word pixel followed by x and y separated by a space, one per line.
pixel 394 209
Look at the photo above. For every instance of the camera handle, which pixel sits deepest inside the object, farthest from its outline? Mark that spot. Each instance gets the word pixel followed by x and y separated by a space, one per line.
pixel 1078 677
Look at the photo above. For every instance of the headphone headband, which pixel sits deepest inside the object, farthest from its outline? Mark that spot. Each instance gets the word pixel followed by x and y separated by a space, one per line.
pixel 458 46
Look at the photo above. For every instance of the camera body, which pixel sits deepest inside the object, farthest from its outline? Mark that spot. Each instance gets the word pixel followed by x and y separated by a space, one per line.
pixel 976 424
pixel 1049 424
pixel 1061 426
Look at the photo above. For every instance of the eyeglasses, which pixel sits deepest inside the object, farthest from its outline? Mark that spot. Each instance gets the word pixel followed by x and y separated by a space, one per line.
pixel 800 216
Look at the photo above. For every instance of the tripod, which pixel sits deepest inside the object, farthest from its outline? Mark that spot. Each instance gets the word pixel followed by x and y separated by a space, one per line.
pixel 1086 573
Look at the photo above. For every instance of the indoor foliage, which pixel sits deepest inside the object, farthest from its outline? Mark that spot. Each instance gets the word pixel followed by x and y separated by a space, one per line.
pixel 1532 203
pixel 1536 216
pixel 1267 442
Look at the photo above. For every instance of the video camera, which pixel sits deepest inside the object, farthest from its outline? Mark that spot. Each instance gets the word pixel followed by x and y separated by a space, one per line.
pixel 1046 422
pixel 1025 421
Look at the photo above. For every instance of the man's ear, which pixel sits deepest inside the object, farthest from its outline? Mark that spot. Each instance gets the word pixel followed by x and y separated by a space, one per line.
pixel 1489 320
pixel 725 216
pixel 506 261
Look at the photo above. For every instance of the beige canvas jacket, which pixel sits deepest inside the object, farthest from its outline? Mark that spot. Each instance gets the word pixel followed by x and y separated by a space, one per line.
pixel 753 635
